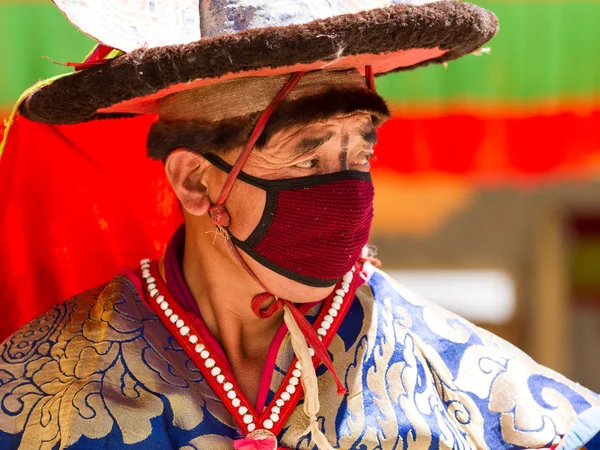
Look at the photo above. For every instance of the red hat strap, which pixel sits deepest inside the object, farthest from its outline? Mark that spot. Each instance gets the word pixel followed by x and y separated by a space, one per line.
pixel 370 78
pixel 218 213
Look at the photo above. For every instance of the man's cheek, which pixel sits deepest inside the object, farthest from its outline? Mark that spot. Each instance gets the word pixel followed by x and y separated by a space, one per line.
pixel 245 205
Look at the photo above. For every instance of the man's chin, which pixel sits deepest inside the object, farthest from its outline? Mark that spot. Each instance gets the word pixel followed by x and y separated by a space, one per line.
pixel 297 292
pixel 284 287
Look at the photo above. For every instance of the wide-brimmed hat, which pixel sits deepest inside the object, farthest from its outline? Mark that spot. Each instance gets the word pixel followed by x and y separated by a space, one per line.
pixel 174 45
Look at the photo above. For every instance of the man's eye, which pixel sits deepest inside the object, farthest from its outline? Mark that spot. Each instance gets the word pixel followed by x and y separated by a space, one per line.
pixel 308 164
pixel 363 159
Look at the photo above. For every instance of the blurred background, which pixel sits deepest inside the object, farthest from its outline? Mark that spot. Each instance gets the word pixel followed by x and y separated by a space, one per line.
pixel 487 176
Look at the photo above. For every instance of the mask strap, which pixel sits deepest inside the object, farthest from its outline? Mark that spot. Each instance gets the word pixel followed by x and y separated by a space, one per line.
pixel 217 211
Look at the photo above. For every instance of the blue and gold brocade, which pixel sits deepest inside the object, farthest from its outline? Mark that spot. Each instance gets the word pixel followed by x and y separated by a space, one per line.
pixel 101 371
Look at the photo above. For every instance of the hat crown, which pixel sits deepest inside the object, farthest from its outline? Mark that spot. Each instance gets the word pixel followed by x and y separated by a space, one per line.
pixel 130 24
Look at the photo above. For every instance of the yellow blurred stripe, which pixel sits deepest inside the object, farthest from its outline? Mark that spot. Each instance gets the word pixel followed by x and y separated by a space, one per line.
pixel 417 206
pixel 4 113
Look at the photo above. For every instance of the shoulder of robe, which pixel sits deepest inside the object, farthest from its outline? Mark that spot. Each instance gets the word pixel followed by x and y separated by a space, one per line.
pixel 79 316
pixel 498 385
pixel 59 359
pixel 100 369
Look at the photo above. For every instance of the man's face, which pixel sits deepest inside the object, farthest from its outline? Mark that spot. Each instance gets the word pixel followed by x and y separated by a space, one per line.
pixel 329 146
pixel 332 145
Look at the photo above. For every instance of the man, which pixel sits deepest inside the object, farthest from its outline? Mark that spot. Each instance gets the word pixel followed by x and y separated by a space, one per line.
pixel 266 324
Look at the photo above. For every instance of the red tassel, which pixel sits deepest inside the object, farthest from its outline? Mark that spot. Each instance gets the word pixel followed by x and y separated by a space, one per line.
pixel 305 327
pixel 219 215
pixel 313 340
pixel 259 299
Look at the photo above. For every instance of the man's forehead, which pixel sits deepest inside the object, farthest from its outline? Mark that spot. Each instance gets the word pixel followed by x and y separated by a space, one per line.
pixel 305 138
pixel 355 123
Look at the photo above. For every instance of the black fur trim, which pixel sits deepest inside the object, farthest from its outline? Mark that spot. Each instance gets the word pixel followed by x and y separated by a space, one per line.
pixel 458 27
pixel 225 135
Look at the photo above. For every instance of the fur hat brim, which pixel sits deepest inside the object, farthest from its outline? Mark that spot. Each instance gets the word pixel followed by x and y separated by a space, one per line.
pixel 394 38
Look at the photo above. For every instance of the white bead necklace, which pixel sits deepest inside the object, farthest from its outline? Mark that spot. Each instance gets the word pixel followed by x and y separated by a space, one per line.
pixel 234 400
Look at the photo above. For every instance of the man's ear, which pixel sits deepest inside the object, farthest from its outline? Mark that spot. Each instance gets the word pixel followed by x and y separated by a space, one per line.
pixel 185 171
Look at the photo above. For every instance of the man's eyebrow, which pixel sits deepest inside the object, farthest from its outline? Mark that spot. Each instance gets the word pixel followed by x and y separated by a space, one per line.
pixel 310 143
pixel 370 135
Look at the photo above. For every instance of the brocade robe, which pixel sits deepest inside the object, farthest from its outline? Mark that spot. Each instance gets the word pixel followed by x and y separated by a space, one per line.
pixel 102 371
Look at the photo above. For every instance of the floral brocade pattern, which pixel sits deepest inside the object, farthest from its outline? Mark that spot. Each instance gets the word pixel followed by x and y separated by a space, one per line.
pixel 101 370
pixel 419 377
pixel 102 366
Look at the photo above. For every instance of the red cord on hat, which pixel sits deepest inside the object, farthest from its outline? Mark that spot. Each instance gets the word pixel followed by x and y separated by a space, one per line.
pixel 218 212
pixel 96 58
pixel 222 217
pixel 370 78
pixel 307 330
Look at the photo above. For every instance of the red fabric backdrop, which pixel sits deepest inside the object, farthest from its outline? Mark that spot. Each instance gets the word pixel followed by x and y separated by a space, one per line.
pixel 76 202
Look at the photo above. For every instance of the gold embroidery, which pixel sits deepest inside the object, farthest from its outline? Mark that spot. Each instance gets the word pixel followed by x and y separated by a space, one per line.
pixel 103 359
pixel 390 405
pixel 95 360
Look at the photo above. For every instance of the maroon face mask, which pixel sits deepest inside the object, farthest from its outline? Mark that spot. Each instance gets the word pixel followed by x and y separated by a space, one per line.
pixel 313 229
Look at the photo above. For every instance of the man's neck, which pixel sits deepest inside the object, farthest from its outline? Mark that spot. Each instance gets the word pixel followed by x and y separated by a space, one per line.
pixel 224 291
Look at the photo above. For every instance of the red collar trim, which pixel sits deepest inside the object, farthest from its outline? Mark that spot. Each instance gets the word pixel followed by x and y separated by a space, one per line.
pixel 216 371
